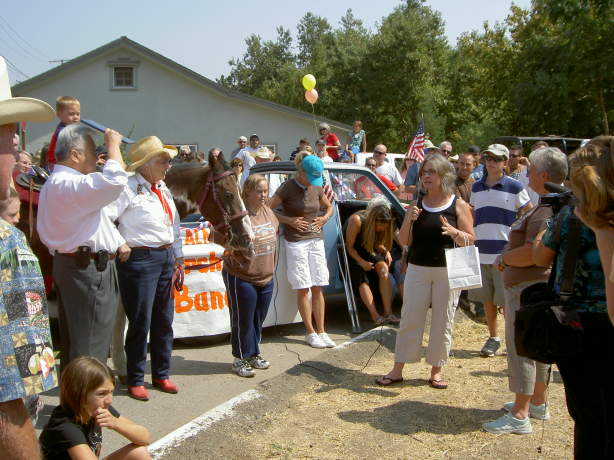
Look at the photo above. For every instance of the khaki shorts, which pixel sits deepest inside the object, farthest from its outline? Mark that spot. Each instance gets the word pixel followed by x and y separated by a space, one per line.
pixel 492 287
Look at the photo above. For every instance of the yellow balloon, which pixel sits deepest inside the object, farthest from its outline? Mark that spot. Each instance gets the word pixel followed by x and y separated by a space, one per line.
pixel 309 82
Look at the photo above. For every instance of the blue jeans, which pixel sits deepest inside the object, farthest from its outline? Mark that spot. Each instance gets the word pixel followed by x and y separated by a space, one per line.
pixel 145 285
pixel 248 305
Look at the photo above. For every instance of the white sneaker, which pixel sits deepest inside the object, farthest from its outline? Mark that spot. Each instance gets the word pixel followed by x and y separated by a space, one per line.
pixel 242 368
pixel 314 340
pixel 330 343
pixel 540 412
pixel 507 424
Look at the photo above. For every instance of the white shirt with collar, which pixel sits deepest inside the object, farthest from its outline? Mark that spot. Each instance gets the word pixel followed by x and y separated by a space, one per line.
pixel 73 209
pixel 390 171
pixel 142 219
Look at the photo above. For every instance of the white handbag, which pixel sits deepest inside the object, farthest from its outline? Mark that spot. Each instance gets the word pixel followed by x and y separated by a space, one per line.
pixel 463 263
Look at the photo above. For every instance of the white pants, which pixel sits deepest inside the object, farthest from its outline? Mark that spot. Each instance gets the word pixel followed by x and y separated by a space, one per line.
pixel 306 263
pixel 426 286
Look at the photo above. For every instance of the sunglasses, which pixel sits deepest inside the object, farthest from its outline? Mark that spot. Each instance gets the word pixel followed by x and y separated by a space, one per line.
pixel 514 155
pixel 370 165
pixel 491 158
pixel 379 153
pixel 446 151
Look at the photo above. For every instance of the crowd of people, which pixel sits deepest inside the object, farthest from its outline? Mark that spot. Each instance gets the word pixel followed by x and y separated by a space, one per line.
pixel 114 234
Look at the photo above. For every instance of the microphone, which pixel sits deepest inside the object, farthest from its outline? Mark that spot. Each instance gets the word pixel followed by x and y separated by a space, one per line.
pixel 555 188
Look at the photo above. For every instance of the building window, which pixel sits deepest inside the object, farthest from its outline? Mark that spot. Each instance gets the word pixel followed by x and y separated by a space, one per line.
pixel 123 77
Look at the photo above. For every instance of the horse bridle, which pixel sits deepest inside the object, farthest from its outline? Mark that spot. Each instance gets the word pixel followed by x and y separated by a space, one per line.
pixel 224 224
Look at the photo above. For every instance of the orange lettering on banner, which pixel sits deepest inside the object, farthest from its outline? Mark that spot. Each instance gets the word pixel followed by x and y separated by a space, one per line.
pixel 183 302
pixel 196 236
pixel 201 301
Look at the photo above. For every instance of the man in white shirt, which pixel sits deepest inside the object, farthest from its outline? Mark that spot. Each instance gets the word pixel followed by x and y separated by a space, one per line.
pixel 386 169
pixel 75 224
pixel 242 143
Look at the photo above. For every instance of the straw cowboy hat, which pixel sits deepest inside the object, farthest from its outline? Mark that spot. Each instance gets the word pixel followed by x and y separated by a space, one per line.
pixel 16 109
pixel 145 149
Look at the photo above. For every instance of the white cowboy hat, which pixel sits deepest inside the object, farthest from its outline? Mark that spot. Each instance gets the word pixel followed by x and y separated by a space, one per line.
pixel 16 109
pixel 145 149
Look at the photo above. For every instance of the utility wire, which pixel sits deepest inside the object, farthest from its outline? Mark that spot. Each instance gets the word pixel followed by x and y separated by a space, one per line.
pixel 25 50
pixel 14 67
pixel 24 40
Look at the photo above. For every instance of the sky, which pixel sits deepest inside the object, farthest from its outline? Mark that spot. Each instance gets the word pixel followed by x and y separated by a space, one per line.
pixel 202 35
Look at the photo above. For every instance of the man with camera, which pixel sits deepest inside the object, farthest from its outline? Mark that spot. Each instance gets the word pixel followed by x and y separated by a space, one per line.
pixel 73 222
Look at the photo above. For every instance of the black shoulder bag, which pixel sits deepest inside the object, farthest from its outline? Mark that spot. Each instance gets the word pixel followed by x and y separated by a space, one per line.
pixel 547 326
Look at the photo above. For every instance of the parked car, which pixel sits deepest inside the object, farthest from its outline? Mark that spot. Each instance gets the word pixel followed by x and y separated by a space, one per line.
pixel 565 144
pixel 354 186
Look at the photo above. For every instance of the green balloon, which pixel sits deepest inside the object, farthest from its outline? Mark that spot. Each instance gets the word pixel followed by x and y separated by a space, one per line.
pixel 309 82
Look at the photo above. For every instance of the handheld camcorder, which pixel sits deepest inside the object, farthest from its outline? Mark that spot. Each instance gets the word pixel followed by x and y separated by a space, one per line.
pixel 557 199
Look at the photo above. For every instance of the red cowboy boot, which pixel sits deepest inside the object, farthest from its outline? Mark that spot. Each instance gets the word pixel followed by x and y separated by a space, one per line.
pixel 138 392
pixel 165 385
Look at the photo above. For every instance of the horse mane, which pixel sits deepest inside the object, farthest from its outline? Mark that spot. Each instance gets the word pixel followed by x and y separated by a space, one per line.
pixel 185 181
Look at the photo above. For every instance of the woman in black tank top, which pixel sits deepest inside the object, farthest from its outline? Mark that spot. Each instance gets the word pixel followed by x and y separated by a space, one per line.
pixel 436 222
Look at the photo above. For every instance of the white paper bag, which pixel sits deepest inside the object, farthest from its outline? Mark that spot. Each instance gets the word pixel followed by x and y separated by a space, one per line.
pixel 464 267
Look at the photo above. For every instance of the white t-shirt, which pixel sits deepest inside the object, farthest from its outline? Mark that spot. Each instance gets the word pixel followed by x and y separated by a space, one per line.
pixel 389 171
pixel 248 161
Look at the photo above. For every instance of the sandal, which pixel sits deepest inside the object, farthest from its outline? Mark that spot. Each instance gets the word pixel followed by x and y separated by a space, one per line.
pixel 438 384
pixel 392 318
pixel 385 381
pixel 380 321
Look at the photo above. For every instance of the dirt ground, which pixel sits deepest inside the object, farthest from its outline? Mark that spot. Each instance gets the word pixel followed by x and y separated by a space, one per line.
pixel 331 408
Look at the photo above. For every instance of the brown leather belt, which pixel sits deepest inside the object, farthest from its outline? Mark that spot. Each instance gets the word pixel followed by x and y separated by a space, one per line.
pixel 92 255
pixel 159 248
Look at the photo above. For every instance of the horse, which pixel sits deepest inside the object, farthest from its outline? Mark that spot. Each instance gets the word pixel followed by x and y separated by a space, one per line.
pixel 214 192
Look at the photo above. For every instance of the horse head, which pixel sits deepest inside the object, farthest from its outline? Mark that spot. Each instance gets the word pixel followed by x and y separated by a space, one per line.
pixel 215 191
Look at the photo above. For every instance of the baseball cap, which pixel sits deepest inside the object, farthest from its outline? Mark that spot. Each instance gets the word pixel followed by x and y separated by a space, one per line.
pixel 313 167
pixel 242 138
pixel 498 151
pixel 429 145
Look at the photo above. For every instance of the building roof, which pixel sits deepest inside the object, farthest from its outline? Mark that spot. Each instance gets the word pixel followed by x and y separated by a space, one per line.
pixel 22 88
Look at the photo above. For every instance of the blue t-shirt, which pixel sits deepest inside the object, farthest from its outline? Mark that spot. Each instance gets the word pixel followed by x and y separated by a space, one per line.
pixel 589 283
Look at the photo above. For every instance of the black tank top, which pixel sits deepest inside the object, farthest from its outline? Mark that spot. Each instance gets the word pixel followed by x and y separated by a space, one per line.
pixel 428 244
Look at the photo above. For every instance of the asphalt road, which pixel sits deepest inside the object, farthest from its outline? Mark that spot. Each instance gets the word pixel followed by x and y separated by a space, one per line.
pixel 203 374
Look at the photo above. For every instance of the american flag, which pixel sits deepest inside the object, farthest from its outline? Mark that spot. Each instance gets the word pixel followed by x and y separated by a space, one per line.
pixel 416 148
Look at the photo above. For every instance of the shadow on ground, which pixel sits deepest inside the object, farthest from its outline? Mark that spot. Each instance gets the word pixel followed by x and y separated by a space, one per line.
pixel 409 417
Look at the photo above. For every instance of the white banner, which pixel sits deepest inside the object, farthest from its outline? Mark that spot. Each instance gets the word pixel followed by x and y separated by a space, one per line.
pixel 201 308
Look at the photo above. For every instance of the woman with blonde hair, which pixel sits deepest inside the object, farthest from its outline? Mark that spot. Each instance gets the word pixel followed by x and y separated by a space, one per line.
pixel 249 280
pixel 592 181
pixel 302 200
pixel 438 221
pixel 368 238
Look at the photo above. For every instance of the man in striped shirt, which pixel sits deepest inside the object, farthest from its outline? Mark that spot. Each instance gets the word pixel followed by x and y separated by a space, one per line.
pixel 497 200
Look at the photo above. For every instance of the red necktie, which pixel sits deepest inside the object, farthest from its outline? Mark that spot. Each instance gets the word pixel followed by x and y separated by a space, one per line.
pixel 165 206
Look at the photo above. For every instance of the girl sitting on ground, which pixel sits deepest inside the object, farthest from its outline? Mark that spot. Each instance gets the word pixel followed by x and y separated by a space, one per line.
pixel 74 430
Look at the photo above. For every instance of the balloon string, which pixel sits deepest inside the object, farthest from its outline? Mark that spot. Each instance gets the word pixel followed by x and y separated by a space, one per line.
pixel 315 124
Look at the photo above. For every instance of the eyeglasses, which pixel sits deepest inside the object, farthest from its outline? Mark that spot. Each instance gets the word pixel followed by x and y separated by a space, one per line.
pixel 514 155
pixel 491 158
pixel 375 152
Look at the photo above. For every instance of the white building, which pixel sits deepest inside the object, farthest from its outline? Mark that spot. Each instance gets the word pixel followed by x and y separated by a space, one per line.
pixel 139 92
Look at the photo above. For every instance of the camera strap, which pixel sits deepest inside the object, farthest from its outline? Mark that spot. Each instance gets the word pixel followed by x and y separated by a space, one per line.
pixel 570 262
